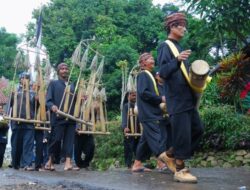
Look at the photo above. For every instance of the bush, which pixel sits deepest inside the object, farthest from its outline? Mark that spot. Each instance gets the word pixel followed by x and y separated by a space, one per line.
pixel 109 148
pixel 225 129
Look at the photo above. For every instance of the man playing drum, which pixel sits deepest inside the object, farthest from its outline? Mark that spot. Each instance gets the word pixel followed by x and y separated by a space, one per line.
pixel 181 102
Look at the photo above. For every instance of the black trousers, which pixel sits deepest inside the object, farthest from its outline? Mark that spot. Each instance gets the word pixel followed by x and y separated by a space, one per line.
pixel 2 151
pixel 153 138
pixel 84 145
pixel 169 139
pixel 22 144
pixel 130 146
pixel 65 134
pixel 39 148
pixel 187 131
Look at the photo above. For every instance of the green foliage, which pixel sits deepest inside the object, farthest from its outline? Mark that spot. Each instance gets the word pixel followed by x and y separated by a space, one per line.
pixel 224 128
pixel 233 76
pixel 8 43
pixel 109 148
pixel 226 22
pixel 211 94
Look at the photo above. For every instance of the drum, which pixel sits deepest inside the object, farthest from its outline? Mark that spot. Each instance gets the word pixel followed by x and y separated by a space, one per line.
pixel 198 73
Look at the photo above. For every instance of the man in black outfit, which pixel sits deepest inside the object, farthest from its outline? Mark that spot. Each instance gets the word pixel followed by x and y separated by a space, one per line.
pixel 180 98
pixel 61 128
pixel 22 137
pixel 150 115
pixel 130 142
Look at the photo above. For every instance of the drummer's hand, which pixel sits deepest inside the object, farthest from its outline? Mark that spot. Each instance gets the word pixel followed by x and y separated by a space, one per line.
pixel 54 108
pixel 183 55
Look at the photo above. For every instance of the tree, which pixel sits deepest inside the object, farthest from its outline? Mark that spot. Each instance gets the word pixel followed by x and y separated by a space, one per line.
pixel 8 43
pixel 122 29
pixel 228 21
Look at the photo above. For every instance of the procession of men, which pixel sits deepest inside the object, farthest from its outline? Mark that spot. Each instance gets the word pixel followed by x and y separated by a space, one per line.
pixel 167 120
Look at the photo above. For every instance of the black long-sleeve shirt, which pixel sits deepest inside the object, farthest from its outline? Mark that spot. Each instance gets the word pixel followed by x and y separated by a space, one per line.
pixel 54 96
pixel 147 99
pixel 179 95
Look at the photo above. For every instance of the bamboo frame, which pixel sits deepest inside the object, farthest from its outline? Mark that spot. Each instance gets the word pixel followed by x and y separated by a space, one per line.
pixel 93 132
pixel 26 120
pixel 73 118
pixel 132 134
pixel 43 128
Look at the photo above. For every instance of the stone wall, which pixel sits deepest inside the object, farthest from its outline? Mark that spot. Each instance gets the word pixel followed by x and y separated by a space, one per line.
pixel 225 159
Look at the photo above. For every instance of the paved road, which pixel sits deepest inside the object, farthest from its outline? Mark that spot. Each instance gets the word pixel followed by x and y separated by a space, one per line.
pixel 209 179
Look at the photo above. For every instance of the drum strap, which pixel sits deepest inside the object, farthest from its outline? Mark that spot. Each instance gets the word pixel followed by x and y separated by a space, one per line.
pixel 153 80
pixel 183 68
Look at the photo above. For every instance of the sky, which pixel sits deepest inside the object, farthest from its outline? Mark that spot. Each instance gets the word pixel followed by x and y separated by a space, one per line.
pixel 16 14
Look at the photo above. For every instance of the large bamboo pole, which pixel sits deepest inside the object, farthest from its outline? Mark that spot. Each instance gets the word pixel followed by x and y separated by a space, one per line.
pixel 41 95
pixel 73 118
pixel 27 97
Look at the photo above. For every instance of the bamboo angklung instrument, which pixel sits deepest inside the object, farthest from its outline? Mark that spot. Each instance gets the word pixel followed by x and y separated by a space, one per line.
pixel 13 92
pixel 82 66
pixel 75 61
pixel 131 87
pixel 40 111
pixel 90 89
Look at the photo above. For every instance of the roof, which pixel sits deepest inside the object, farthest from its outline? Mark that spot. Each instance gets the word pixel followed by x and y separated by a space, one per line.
pixel 3 98
pixel 3 84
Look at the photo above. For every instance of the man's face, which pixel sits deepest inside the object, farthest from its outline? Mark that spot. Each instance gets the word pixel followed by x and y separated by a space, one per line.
pixel 63 72
pixel 179 30
pixel 149 64
pixel 132 96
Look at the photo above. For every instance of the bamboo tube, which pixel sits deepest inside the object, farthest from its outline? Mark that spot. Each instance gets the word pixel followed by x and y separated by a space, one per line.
pixel 26 120
pixel 41 95
pixel 135 121
pixel 93 132
pixel 93 119
pixel 102 117
pixel 132 135
pixel 15 104
pixel 38 116
pixel 73 118
pixel 106 116
pixel 78 99
pixel 43 128
pixel 131 117
pixel 66 102
pixel 20 106
pixel 27 94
